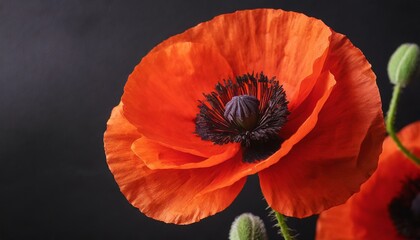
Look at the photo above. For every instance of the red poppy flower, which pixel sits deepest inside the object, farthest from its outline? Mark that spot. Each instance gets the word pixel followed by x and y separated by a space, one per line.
pixel 261 91
pixel 388 204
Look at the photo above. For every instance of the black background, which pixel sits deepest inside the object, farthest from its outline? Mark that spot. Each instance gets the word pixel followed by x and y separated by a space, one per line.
pixel 63 66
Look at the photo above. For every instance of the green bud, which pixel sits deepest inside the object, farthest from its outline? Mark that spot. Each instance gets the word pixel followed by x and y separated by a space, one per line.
pixel 248 227
pixel 404 64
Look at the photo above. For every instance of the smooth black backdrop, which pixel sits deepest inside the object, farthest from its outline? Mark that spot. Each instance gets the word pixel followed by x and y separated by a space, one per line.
pixel 63 66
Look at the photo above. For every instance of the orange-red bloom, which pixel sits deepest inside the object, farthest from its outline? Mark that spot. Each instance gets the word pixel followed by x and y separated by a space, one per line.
pixel 388 204
pixel 313 133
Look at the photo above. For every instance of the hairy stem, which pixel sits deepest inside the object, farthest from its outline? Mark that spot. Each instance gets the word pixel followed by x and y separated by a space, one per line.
pixel 284 229
pixel 390 120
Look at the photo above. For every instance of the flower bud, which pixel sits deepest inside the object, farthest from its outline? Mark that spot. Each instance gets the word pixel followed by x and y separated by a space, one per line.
pixel 404 64
pixel 247 227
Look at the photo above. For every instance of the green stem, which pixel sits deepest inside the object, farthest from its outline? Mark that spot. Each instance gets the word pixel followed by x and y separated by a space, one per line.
pixel 284 229
pixel 390 120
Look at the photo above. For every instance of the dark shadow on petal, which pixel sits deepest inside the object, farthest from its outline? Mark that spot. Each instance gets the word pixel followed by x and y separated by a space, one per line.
pixel 260 150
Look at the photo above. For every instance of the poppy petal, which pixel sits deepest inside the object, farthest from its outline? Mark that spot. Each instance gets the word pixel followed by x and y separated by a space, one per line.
pixel 161 95
pixel 301 184
pixel 171 196
pixel 365 215
pixel 341 152
pixel 157 156
pixel 288 45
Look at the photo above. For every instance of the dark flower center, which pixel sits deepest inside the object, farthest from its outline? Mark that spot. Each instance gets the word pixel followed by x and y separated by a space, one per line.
pixel 405 210
pixel 250 111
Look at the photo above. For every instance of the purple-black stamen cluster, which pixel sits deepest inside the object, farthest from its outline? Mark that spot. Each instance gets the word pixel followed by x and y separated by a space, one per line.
pixel 250 111
pixel 404 210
